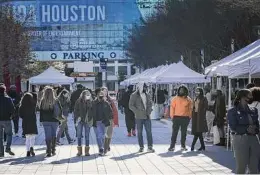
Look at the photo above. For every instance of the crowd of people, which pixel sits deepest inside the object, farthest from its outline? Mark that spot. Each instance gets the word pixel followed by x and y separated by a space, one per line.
pixel 98 110
pixel 89 110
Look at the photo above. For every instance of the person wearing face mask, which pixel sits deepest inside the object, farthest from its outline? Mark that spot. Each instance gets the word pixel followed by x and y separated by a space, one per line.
pixel 199 123
pixel 141 104
pixel 181 113
pixel 64 100
pixel 113 121
pixel 244 125
pixel 102 113
pixel 84 118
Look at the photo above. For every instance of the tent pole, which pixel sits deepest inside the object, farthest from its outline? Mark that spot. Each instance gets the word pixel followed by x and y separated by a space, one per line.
pixel 250 76
pixel 229 107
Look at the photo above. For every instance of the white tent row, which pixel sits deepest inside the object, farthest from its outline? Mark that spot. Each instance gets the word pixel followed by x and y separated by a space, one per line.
pixel 174 73
pixel 51 76
pixel 224 66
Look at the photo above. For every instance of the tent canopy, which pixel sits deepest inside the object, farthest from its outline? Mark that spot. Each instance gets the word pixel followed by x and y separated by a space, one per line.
pixel 222 67
pixel 180 73
pixel 249 68
pixel 144 75
pixel 51 76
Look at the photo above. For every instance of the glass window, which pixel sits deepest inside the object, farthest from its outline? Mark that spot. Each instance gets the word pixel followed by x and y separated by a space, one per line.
pixel 122 70
pixel 96 69
pixel 111 85
pixel 110 70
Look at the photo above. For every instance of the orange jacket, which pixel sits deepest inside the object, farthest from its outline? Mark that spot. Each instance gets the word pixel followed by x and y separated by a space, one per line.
pixel 181 106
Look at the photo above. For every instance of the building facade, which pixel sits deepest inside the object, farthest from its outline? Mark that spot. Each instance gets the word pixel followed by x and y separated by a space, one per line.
pixel 83 30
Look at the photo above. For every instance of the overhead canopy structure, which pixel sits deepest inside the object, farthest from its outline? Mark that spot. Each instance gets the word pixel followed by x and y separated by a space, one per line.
pixel 145 74
pixel 248 68
pixel 51 76
pixel 221 67
pixel 180 73
pixel 127 81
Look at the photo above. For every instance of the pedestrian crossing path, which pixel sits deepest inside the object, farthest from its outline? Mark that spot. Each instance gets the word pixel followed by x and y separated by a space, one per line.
pixel 122 159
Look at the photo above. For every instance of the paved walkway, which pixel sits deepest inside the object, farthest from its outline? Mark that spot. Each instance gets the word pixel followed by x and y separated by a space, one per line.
pixel 123 158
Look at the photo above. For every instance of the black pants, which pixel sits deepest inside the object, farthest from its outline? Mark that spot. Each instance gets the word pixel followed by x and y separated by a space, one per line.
pixel 16 124
pixel 129 121
pixel 177 123
pixel 196 137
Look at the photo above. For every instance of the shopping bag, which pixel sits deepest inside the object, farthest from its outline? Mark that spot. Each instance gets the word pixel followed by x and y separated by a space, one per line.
pixel 216 137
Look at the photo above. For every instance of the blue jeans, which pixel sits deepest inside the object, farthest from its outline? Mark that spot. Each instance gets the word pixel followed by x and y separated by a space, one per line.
pixel 148 128
pixel 80 127
pixel 50 129
pixel 5 126
pixel 100 134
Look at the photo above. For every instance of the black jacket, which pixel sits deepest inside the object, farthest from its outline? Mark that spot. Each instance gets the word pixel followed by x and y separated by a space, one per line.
pixel 125 103
pixel 7 108
pixel 74 97
pixel 27 113
pixel 107 113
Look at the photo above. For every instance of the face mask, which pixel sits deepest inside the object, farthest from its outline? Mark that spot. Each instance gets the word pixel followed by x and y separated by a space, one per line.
pixel 197 94
pixel 66 95
pixel 87 97
pixel 249 100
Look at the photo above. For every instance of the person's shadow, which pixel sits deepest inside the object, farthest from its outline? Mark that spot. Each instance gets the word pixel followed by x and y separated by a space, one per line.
pixel 24 160
pixel 128 156
pixel 75 159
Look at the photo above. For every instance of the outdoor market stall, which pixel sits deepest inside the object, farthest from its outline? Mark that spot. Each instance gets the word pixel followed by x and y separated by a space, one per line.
pixel 51 76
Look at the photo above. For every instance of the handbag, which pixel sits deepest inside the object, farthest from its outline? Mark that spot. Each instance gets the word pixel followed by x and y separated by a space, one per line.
pixel 216 136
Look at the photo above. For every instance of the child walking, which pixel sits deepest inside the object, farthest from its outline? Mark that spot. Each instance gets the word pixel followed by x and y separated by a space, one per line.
pixel 27 111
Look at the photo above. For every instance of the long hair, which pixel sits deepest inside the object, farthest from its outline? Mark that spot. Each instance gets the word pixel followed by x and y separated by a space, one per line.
pixel 27 100
pixel 201 92
pixel 84 93
pixel 256 93
pixel 48 99
pixel 186 91
pixel 241 94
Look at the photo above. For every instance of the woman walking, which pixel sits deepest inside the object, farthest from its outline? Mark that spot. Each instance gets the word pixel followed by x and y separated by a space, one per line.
pixel 27 111
pixel 84 118
pixel 113 121
pixel 64 100
pixel 102 113
pixel 244 125
pixel 50 111
pixel 199 122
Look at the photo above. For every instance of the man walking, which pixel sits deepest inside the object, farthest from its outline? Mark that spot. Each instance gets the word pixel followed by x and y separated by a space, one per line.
pixel 7 109
pixel 129 115
pixel 141 104
pixel 16 98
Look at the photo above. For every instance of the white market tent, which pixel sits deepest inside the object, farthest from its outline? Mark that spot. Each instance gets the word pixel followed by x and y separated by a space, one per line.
pixel 144 75
pixel 51 76
pixel 127 81
pixel 221 67
pixel 248 68
pixel 180 73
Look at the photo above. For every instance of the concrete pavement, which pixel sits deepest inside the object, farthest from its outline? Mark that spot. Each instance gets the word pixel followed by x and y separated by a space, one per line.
pixel 123 158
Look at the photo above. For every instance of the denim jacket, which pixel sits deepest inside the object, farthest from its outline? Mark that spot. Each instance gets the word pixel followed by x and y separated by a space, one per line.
pixel 238 119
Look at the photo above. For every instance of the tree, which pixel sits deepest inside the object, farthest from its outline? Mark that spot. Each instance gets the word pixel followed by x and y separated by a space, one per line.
pixel 186 27
pixel 14 44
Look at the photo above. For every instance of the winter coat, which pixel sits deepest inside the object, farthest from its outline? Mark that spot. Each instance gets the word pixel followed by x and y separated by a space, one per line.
pixel 114 111
pixel 7 108
pixel 83 110
pixel 137 106
pixel 16 98
pixel 28 114
pixel 220 111
pixel 125 103
pixel 50 115
pixel 65 105
pixel 106 111
pixel 199 122
pixel 74 97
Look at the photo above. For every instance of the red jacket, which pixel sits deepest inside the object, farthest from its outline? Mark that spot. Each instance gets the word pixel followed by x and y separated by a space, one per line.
pixel 115 112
